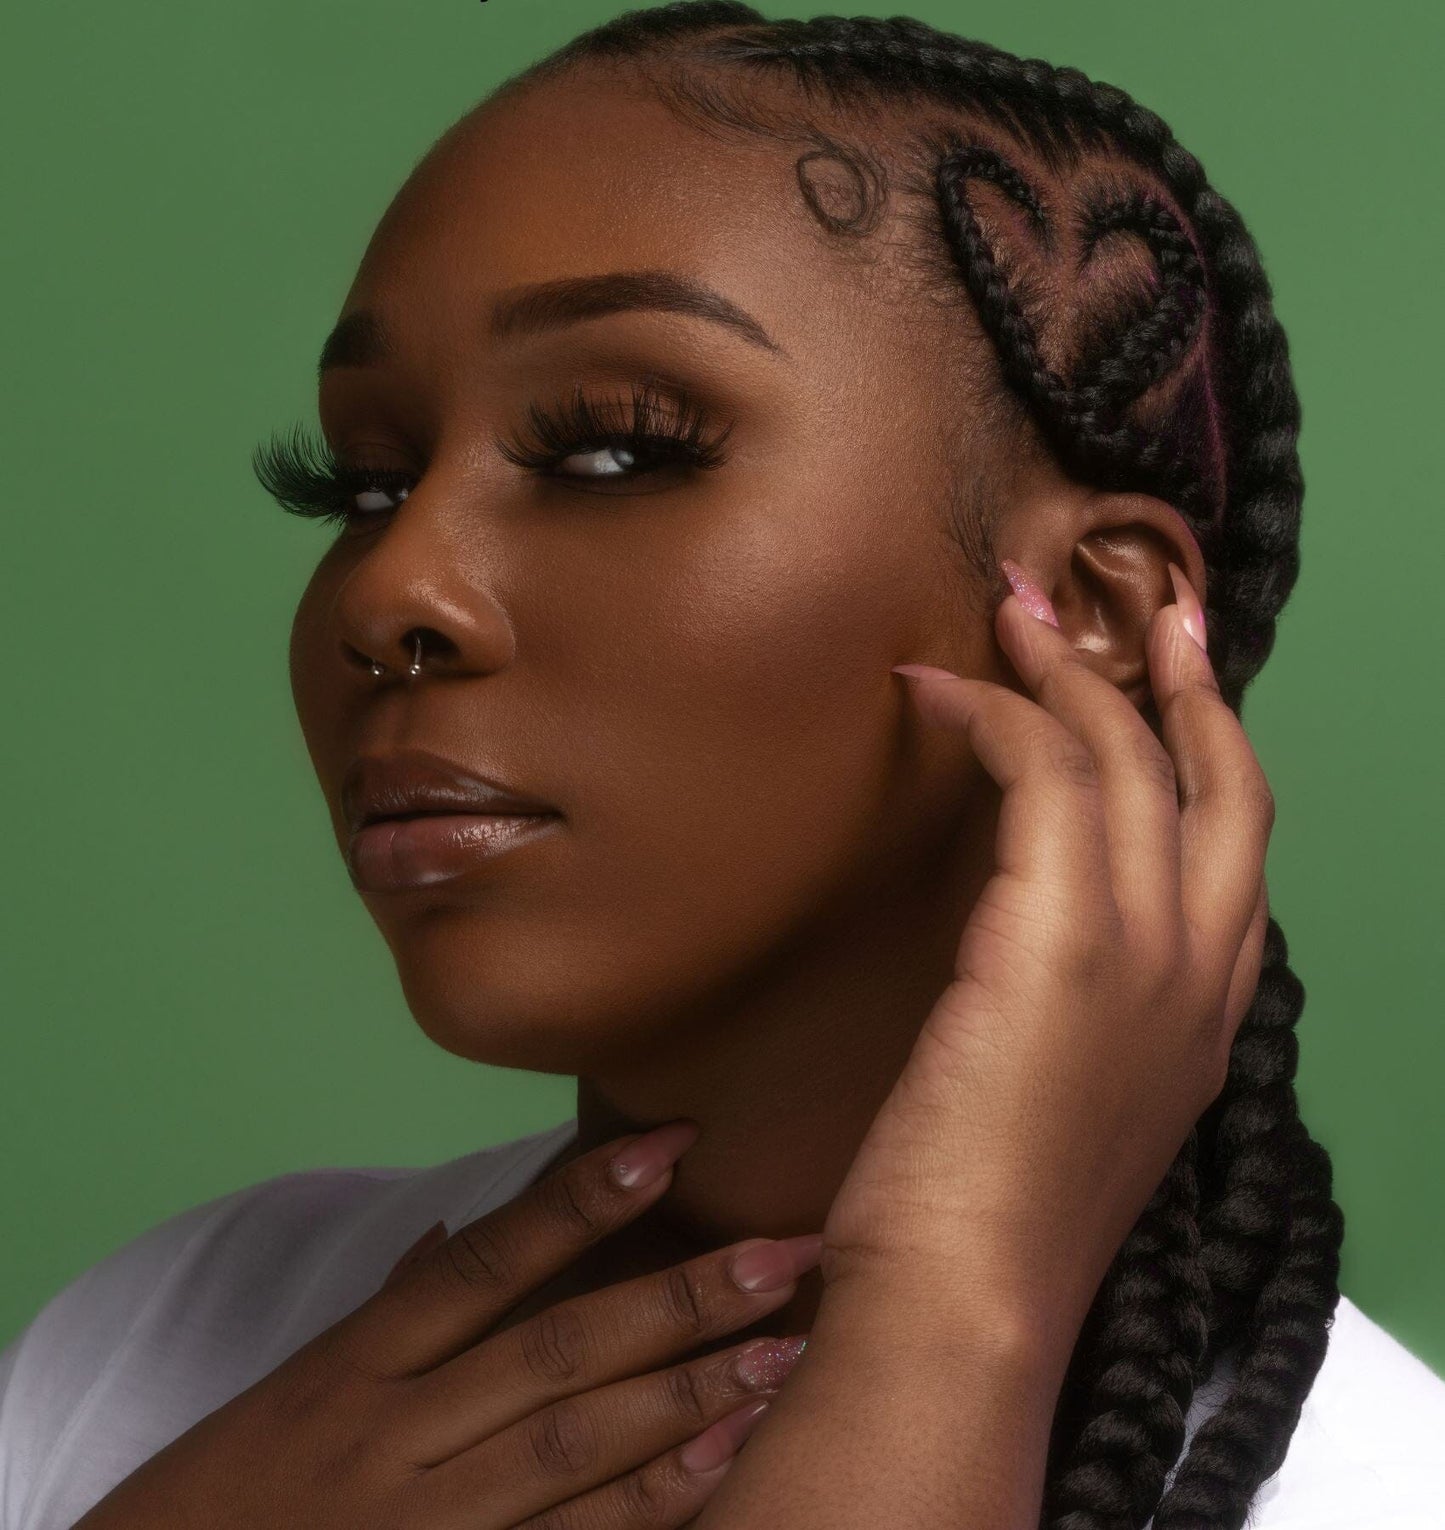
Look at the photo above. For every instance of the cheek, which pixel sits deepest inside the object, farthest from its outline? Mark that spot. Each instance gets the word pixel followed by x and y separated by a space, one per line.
pixel 708 825
pixel 728 782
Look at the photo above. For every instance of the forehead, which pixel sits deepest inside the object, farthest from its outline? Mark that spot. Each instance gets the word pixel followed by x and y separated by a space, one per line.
pixel 588 174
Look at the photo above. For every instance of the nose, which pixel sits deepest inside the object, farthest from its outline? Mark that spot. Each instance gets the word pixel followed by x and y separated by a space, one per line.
pixel 421 646
pixel 421 596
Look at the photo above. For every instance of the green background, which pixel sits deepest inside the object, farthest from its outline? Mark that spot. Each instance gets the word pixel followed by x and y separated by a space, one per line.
pixel 194 997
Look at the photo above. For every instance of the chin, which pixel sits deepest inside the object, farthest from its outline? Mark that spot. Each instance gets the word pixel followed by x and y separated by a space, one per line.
pixel 493 1002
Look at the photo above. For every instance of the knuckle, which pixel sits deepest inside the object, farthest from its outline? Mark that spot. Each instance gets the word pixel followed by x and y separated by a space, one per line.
pixel 687 1394
pixel 682 1303
pixel 1200 694
pixel 554 1345
pixel 567 1204
pixel 560 1441
pixel 1069 761
pixel 1156 765
pixel 474 1256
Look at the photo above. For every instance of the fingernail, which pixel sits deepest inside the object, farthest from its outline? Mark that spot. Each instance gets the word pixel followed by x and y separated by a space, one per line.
pixel 643 1162
pixel 1031 597
pixel 766 1365
pixel 721 1440
pixel 771 1263
pixel 1189 608
pixel 916 670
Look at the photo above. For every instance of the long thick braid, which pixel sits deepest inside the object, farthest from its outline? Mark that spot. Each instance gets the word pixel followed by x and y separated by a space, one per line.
pixel 1217 438
pixel 1245 1442
pixel 1147 1348
pixel 1253 1146
pixel 1273 1173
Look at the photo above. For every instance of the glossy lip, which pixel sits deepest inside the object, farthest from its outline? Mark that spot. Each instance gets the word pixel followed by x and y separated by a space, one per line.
pixel 396 854
pixel 413 781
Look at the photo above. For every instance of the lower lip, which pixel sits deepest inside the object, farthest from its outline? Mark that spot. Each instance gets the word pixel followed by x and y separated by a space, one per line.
pixel 398 853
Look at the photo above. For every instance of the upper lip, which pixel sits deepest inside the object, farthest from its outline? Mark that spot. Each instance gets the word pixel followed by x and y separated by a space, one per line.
pixel 414 781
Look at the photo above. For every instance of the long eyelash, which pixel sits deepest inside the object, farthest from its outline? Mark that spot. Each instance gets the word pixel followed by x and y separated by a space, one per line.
pixel 301 473
pixel 661 416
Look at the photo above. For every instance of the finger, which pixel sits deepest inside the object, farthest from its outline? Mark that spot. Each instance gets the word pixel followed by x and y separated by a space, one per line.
pixel 1140 790
pixel 428 1240
pixel 1226 809
pixel 606 1336
pixel 666 1493
pixel 584 1441
pixel 1244 983
pixel 449 1298
pixel 1050 826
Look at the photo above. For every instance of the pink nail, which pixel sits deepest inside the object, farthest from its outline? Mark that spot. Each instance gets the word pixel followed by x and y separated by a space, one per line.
pixel 720 1441
pixel 772 1263
pixel 1189 608
pixel 645 1161
pixel 766 1365
pixel 1031 597
pixel 925 672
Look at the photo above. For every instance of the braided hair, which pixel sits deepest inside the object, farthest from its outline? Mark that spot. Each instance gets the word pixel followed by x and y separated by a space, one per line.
pixel 1132 329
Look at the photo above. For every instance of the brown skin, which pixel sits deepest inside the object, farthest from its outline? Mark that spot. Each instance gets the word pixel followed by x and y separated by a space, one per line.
pixel 749 911
pixel 769 850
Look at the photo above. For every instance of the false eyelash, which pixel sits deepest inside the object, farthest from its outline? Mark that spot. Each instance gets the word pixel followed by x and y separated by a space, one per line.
pixel 663 416
pixel 301 473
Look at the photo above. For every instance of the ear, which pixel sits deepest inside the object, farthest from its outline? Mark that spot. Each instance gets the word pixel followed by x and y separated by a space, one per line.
pixel 1103 559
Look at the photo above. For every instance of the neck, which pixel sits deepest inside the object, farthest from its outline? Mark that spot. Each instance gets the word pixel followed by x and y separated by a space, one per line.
pixel 784 1083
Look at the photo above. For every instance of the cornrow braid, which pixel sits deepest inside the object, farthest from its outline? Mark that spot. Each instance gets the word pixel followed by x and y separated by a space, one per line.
pixel 1179 387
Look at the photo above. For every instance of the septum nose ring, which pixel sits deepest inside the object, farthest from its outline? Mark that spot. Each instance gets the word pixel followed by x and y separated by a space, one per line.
pixel 412 672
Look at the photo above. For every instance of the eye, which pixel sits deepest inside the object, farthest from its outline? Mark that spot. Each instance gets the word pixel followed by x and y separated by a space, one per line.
pixel 300 472
pixel 375 498
pixel 663 430
pixel 624 461
pixel 610 460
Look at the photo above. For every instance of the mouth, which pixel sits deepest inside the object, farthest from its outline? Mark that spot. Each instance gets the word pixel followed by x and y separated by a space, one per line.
pixel 404 851
pixel 418 818
pixel 450 812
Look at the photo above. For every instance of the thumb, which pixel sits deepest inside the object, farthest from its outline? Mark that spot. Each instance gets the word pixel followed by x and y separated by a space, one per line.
pixel 434 1234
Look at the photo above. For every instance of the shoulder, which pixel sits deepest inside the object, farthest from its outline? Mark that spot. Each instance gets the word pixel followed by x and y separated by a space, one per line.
pixel 196 1308
pixel 1367 1448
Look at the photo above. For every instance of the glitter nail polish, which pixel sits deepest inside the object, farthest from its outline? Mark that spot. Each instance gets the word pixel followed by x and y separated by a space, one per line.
pixel 1031 597
pixel 764 1366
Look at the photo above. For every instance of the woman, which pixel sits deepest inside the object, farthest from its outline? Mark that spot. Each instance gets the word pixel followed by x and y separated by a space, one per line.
pixel 696 401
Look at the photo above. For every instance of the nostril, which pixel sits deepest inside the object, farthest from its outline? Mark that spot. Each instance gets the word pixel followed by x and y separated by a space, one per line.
pixel 355 658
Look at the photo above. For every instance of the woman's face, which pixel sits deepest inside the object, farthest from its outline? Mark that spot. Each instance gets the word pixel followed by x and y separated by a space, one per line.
pixel 691 665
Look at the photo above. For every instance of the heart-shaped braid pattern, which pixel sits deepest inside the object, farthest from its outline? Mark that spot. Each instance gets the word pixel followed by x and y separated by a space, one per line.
pixel 1085 418
pixel 1132 324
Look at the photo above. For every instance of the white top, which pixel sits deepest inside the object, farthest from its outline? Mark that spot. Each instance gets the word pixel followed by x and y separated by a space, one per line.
pixel 192 1312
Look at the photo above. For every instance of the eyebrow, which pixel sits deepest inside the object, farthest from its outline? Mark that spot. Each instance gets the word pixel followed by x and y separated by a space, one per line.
pixel 360 339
